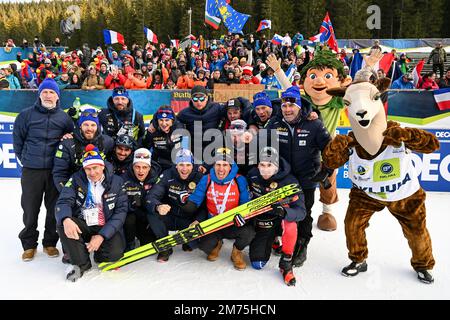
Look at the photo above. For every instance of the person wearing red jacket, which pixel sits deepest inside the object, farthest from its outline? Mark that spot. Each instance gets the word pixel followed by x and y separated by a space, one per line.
pixel 248 78
pixel 114 79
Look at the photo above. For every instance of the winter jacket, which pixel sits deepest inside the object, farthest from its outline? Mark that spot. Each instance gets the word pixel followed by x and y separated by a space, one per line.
pixel 438 55
pixel 94 80
pixel 69 155
pixel 428 84
pixel 120 167
pixel 137 191
pixel 296 210
pixel 171 189
pixel 115 204
pixel 301 144
pixel 204 187
pixel 116 122
pixel 402 85
pixel 14 83
pixel 37 133
pixel 111 82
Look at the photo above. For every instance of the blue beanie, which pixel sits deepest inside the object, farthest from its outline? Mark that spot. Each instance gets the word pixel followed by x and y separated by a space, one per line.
pixel 88 115
pixel 293 93
pixel 49 84
pixel 120 92
pixel 261 99
pixel 184 155
pixel 165 113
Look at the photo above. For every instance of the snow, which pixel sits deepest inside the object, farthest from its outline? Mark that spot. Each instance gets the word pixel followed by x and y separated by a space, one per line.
pixel 188 275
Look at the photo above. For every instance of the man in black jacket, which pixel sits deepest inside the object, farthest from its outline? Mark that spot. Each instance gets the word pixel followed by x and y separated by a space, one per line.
pixel 122 155
pixel 166 200
pixel 91 209
pixel 120 117
pixel 37 132
pixel 301 142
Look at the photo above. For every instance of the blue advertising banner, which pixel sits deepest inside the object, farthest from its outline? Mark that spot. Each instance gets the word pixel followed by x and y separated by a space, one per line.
pixel 433 168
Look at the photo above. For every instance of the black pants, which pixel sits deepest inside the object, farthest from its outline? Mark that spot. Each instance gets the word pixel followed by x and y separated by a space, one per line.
pixel 439 66
pixel 110 250
pixel 261 245
pixel 38 184
pixel 305 226
pixel 242 235
pixel 161 225
pixel 136 226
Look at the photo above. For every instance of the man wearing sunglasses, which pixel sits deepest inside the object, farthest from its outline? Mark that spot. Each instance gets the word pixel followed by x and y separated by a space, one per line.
pixel 301 142
pixel 69 155
pixel 120 117
pixel 202 112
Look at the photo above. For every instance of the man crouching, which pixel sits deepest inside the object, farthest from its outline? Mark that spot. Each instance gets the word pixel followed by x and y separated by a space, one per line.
pixel 90 213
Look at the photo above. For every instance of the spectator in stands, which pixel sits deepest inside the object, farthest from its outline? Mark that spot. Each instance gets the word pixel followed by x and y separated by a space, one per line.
pixel 186 81
pixel 199 79
pixel 269 79
pixel 429 82
pixel 136 81
pixel 103 73
pixel 376 46
pixel 14 83
pixel 93 81
pixel 381 74
pixel 404 82
pixel 75 82
pixel 63 81
pixel 445 82
pixel 216 78
pixel 439 57
pixel 247 77
pixel 4 83
pixel 114 79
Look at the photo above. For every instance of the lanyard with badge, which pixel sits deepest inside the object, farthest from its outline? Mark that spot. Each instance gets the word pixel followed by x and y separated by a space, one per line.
pixel 221 208
pixel 91 211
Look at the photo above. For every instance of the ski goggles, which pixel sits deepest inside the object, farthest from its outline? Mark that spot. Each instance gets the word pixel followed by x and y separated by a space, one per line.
pixel 289 100
pixel 143 156
pixel 199 98
pixel 89 114
pixel 237 127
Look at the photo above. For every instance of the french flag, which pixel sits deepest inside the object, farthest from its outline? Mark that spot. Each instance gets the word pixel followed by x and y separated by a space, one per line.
pixel 264 24
pixel 175 43
pixel 417 71
pixel 442 97
pixel 150 35
pixel 112 37
pixel 277 39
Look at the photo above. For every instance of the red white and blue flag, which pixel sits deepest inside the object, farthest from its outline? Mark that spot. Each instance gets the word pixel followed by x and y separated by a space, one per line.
pixel 277 39
pixel 112 37
pixel 150 35
pixel 442 97
pixel 264 24
pixel 175 43
pixel 326 34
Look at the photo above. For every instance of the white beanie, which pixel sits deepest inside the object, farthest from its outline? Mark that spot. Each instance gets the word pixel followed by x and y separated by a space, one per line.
pixel 142 155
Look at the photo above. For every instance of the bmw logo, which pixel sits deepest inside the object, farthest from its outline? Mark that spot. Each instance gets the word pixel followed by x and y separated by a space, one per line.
pixel 386 168
pixel 362 170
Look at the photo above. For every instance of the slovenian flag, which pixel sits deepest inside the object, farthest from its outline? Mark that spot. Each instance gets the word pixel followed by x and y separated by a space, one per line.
pixel 264 24
pixel 277 39
pixel 112 37
pixel 442 97
pixel 150 35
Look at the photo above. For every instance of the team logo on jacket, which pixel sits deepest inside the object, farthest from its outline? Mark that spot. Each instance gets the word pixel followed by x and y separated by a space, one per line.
pixel 386 168
pixel 361 170
pixel 192 185
pixel 273 185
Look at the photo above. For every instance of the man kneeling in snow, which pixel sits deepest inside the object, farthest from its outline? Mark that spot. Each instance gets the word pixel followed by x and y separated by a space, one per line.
pixel 90 214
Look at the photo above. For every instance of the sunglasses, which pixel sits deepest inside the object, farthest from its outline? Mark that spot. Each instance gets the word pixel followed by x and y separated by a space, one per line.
pixel 87 114
pixel 289 100
pixel 223 151
pixel 237 127
pixel 141 156
pixel 201 99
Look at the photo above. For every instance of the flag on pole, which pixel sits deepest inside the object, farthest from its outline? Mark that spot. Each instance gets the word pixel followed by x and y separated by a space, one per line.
pixel 386 62
pixel 264 24
pixel 356 64
pixel 442 97
pixel 150 35
pixel 212 14
pixel 317 38
pixel 327 34
pixel 175 43
pixel 112 37
pixel 277 39
pixel 233 20
pixel 417 71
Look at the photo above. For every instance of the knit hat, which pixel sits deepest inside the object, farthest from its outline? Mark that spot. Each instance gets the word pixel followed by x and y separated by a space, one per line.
pixel 269 154
pixel 120 92
pixel 223 154
pixel 233 104
pixel 184 156
pixel 292 95
pixel 261 99
pixel 92 156
pixel 88 115
pixel 142 155
pixel 125 140
pixel 49 84
pixel 247 72
pixel 47 61
pixel 165 113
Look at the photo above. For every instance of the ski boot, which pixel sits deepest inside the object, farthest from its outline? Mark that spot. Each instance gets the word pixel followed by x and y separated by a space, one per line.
pixel 164 256
pixel 425 276
pixel 285 266
pixel 74 272
pixel 277 247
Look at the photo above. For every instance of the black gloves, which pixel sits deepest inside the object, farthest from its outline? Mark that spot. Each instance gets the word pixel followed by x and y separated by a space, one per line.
pixel 278 210
pixel 322 177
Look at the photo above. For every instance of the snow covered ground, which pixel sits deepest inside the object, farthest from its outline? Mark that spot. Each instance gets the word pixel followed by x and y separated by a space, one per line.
pixel 191 276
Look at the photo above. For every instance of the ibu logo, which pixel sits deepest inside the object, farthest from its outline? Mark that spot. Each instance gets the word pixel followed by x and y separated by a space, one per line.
pixel 387 168
pixel 361 170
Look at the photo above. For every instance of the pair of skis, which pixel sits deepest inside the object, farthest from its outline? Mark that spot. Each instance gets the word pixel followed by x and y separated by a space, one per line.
pixel 247 210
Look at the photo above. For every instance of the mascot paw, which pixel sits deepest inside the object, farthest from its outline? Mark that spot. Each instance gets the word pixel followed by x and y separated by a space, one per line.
pixel 396 135
pixel 340 142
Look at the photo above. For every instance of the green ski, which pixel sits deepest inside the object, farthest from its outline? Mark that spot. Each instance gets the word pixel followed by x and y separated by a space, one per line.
pixel 246 210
